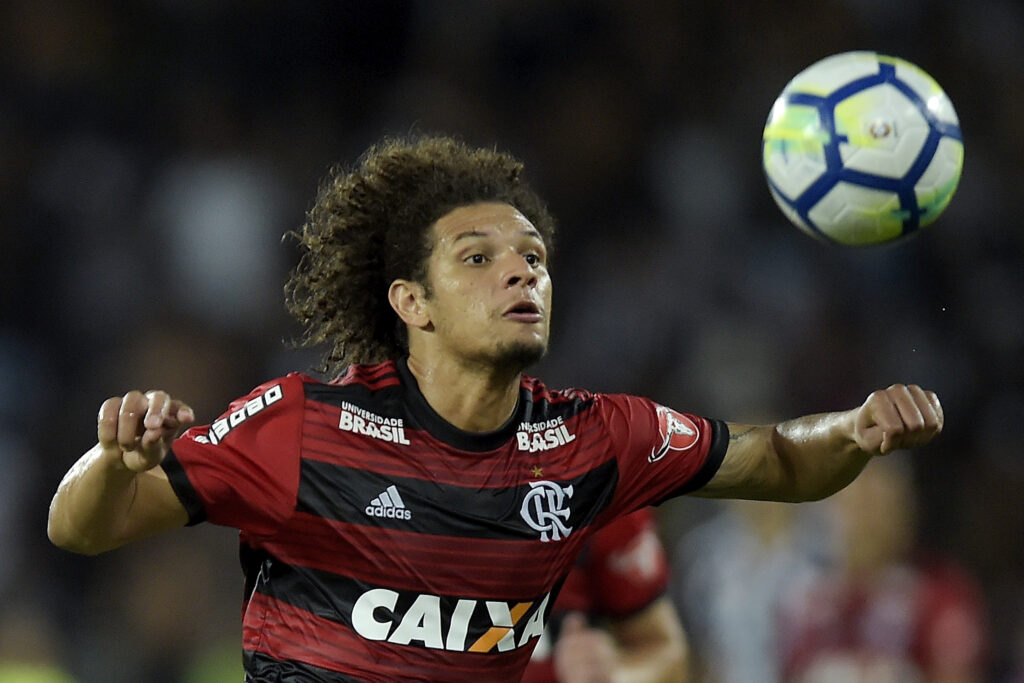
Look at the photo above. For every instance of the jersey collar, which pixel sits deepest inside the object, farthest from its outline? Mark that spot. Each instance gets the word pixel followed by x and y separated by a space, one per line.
pixel 424 417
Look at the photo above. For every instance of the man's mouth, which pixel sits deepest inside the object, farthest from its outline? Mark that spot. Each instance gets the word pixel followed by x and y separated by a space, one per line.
pixel 524 311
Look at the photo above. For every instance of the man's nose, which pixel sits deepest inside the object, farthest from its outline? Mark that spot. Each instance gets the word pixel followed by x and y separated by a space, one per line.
pixel 519 272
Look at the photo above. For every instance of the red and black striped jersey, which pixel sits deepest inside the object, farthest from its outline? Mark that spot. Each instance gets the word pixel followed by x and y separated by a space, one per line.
pixel 381 543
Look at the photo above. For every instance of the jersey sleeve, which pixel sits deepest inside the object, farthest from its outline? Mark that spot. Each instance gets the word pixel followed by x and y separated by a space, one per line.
pixel 627 565
pixel 242 470
pixel 661 453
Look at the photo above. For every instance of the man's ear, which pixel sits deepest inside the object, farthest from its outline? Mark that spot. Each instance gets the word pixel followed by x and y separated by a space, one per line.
pixel 407 299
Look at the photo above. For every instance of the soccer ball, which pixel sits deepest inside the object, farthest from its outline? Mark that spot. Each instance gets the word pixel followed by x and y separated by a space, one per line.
pixel 862 149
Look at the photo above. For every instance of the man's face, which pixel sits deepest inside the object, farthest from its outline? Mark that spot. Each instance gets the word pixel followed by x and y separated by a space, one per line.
pixel 490 292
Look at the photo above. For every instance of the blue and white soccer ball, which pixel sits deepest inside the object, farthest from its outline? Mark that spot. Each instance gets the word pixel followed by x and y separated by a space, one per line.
pixel 862 148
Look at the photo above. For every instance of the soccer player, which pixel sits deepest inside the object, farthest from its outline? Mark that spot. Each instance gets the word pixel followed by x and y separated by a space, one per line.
pixel 413 519
pixel 613 620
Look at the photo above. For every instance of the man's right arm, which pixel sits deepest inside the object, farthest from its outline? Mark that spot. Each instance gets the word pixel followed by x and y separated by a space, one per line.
pixel 116 493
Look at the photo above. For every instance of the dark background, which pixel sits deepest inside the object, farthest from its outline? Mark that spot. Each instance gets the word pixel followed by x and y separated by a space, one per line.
pixel 152 154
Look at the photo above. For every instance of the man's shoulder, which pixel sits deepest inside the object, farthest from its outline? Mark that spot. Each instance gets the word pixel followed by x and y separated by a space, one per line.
pixel 360 384
pixel 539 391
pixel 576 397
pixel 369 375
pixel 544 404
pixel 374 387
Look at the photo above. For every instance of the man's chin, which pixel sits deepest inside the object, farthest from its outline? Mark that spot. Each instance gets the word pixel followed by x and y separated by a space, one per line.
pixel 517 356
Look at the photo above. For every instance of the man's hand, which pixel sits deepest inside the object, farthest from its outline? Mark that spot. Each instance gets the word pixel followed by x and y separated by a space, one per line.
pixel 583 654
pixel 114 493
pixel 139 428
pixel 898 417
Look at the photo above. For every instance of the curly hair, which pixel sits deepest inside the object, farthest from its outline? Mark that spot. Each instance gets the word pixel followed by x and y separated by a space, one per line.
pixel 370 225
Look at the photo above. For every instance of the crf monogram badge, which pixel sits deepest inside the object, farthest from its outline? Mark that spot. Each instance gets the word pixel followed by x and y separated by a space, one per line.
pixel 546 509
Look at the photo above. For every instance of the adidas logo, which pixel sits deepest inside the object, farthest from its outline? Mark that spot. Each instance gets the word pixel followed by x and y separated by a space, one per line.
pixel 388 505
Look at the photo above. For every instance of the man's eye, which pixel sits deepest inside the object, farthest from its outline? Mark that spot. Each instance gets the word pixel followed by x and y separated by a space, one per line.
pixel 477 259
pixel 532 259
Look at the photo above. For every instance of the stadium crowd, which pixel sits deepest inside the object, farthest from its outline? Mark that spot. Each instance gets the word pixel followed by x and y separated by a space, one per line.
pixel 153 153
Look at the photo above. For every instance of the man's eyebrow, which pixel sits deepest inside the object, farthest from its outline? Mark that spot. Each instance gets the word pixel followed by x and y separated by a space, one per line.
pixel 467 234
pixel 527 232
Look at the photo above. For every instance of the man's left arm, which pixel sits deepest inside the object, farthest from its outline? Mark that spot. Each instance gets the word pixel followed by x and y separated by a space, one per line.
pixel 648 646
pixel 812 457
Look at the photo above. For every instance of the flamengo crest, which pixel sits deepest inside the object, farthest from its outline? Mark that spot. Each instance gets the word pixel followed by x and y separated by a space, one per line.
pixel 546 509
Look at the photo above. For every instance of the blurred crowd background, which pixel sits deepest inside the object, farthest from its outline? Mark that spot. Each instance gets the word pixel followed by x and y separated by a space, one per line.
pixel 153 153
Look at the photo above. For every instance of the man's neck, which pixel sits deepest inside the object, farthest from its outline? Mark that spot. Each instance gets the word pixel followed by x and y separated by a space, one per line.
pixel 472 397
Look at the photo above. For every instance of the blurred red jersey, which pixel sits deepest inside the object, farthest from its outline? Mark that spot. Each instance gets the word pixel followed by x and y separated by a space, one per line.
pixel 908 623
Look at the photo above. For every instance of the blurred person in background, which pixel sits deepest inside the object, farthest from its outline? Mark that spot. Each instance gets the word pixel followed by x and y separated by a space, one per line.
pixel 887 610
pixel 730 573
pixel 414 517
pixel 613 620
